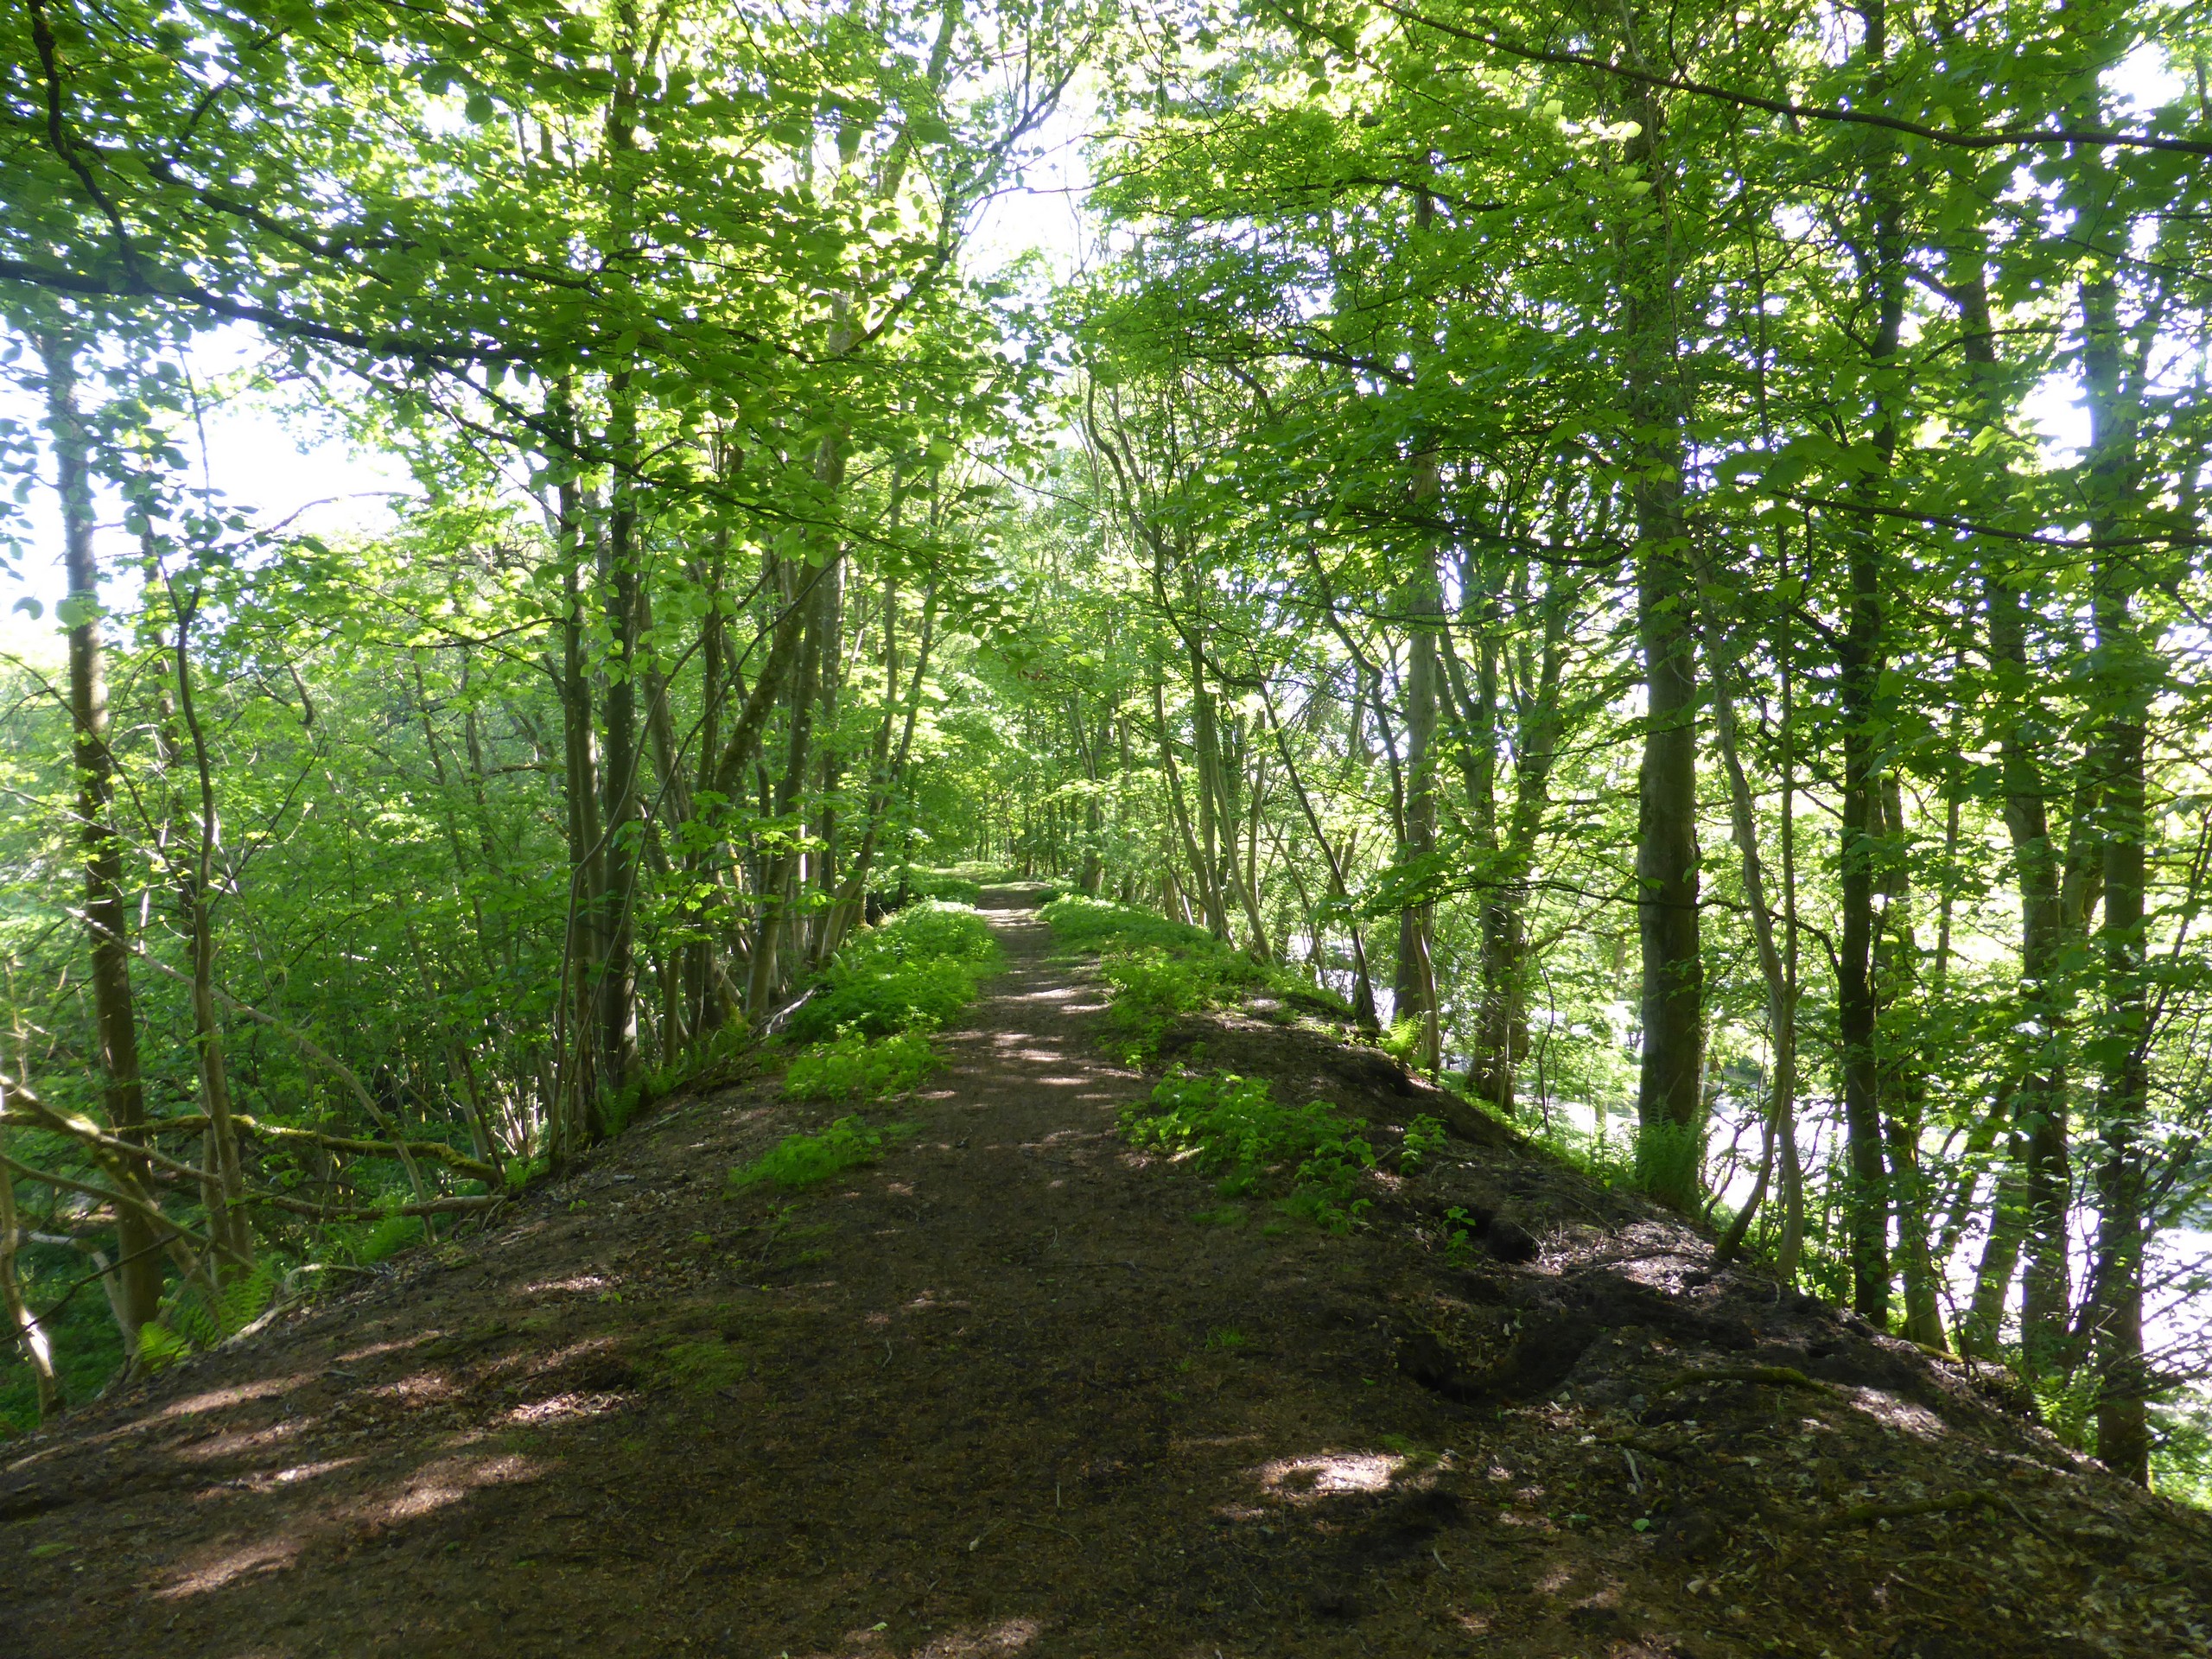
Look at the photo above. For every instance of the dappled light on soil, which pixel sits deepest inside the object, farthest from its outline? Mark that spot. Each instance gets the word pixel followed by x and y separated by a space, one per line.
pixel 1330 1474
pixel 1009 1638
pixel 562 1408
pixel 224 1399
pixel 996 1394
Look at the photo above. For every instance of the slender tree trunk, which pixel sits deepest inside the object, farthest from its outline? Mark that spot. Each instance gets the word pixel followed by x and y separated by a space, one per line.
pixel 2030 1201
pixel 1902 1087
pixel 30 1336
pixel 1420 605
pixel 622 587
pixel 1415 989
pixel 115 1018
pixel 1362 985
pixel 704 1010
pixel 1670 1101
pixel 778 895
pixel 1209 895
pixel 1781 998
pixel 890 766
pixel 579 1079
pixel 1509 848
pixel 227 1225
pixel 2129 669
pixel 1868 855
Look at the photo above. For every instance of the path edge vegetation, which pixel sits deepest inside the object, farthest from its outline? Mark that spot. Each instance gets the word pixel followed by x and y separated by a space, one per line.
pixel 1550 527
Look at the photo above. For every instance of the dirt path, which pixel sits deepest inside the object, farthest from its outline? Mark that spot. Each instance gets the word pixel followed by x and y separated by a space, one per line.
pixel 997 1395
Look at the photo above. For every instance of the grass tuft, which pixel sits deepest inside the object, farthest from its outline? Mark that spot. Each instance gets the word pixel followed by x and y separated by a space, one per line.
pixel 703 1367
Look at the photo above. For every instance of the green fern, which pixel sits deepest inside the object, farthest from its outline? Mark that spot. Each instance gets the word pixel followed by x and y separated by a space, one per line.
pixel 159 1347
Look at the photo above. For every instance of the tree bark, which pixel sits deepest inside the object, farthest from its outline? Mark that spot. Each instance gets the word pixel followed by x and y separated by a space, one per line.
pixel 115 1018
pixel 2130 672
pixel 226 1218
pixel 1781 993
pixel 1867 854
pixel 1670 1100
pixel 2029 1204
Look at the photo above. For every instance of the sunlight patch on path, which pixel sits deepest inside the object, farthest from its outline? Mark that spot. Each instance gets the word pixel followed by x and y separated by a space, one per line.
pixel 1331 1474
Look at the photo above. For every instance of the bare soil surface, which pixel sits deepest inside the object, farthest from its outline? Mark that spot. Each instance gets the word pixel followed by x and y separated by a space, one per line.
pixel 1014 1390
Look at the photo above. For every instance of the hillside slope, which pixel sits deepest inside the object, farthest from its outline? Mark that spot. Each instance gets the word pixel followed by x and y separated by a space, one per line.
pixel 1001 1394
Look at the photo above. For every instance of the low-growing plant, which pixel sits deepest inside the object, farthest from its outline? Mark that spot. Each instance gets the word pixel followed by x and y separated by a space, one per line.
pixel 1424 1138
pixel 1604 1155
pixel 1233 1128
pixel 924 931
pixel 895 996
pixel 1081 923
pixel 1153 989
pixel 1160 970
pixel 1403 1042
pixel 1458 1236
pixel 947 885
pixel 803 1160
pixel 187 1322
pixel 915 971
pixel 1667 1155
pixel 159 1347
pixel 854 1066
pixel 705 1366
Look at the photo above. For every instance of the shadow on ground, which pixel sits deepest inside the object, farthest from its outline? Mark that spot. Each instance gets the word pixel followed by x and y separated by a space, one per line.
pixel 1004 1394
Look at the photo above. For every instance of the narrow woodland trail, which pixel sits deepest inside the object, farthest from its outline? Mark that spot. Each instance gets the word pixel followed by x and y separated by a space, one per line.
pixel 999 1395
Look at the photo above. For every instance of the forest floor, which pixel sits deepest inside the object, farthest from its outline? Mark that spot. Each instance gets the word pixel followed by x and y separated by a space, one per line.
pixel 1013 1390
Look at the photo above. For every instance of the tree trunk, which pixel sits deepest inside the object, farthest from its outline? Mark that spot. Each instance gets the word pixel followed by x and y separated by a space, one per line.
pixel 1209 895
pixel 1670 1103
pixel 579 1077
pixel 115 1018
pixel 1781 993
pixel 227 1225
pixel 1415 988
pixel 1362 985
pixel 2031 1205
pixel 622 587
pixel 2130 672
pixel 1867 854
pixel 29 1335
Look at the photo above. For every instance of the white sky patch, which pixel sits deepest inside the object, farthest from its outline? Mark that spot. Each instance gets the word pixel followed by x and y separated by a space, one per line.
pixel 270 464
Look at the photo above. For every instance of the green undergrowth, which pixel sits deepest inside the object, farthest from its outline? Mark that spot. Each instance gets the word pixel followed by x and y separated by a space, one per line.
pixel 1159 969
pixel 855 1066
pixel 1081 923
pixel 867 1029
pixel 960 884
pixel 1309 1157
pixel 913 972
pixel 1607 1153
pixel 799 1161
pixel 703 1065
pixel 948 886
pixel 698 1366
pixel 1423 1139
